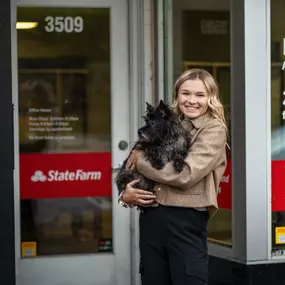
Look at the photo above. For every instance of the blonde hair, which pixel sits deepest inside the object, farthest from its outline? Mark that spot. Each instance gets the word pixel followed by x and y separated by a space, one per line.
pixel 216 108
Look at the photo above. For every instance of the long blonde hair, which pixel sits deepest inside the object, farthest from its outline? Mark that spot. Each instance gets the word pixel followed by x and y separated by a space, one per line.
pixel 216 108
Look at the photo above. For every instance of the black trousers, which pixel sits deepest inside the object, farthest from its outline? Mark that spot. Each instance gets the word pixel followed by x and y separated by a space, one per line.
pixel 173 246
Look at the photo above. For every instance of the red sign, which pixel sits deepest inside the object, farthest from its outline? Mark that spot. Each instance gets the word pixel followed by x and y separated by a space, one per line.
pixel 278 185
pixel 225 195
pixel 65 175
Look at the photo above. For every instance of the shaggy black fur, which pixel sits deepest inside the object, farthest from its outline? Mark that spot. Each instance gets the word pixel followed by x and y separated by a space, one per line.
pixel 162 139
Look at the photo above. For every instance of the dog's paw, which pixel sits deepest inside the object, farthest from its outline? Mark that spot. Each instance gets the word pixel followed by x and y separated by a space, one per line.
pixel 178 165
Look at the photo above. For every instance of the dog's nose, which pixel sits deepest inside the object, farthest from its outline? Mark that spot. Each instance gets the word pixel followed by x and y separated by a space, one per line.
pixel 139 132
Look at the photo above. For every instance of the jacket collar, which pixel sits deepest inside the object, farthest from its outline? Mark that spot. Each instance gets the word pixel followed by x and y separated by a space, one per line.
pixel 199 121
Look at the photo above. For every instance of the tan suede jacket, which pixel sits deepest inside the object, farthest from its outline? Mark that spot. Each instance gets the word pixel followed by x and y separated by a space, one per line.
pixel 197 185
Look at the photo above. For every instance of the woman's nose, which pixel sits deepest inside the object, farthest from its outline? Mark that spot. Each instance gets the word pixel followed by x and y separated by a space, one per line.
pixel 191 99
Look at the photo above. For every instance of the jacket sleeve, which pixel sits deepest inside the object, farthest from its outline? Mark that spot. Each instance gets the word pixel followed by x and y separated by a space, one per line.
pixel 203 157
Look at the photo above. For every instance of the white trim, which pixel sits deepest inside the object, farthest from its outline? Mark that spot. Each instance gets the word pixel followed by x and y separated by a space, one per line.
pixel 168 10
pixel 177 38
pixel 250 179
pixel 120 77
pixel 142 91
pixel 148 53
pixel 256 91
pixel 136 71
pixel 160 48
pixel 268 127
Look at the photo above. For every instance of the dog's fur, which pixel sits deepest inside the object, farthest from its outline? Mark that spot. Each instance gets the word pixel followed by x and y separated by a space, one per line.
pixel 162 139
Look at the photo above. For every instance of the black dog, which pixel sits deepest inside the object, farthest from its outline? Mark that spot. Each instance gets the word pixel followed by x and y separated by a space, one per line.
pixel 162 139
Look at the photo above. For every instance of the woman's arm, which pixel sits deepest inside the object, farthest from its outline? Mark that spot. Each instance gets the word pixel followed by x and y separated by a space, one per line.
pixel 204 154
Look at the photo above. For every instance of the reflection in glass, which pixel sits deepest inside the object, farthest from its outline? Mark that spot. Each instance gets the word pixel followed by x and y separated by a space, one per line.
pixel 64 74
pixel 277 125
pixel 205 38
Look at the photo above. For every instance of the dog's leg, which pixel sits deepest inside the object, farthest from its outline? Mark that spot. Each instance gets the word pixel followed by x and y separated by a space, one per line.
pixel 178 165
pixel 124 177
pixel 157 164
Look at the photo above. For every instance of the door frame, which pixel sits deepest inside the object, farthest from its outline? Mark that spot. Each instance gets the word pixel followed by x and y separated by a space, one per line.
pixel 114 268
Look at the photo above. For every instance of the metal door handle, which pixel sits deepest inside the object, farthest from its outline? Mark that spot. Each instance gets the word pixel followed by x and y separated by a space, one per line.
pixel 123 145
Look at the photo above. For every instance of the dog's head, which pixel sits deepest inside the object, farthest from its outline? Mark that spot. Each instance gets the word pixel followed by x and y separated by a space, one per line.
pixel 160 124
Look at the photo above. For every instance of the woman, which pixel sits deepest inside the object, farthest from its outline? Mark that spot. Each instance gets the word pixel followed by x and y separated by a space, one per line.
pixel 173 234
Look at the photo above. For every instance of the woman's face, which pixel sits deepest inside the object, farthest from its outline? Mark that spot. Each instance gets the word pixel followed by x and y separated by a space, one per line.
pixel 193 98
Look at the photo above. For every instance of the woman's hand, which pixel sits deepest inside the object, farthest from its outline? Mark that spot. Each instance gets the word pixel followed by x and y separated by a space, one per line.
pixel 137 197
pixel 132 161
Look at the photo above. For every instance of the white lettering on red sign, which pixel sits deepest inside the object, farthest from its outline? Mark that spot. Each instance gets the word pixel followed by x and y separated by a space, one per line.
pixel 226 179
pixel 55 175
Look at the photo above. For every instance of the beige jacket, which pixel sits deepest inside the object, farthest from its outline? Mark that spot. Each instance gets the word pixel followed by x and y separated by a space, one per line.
pixel 197 185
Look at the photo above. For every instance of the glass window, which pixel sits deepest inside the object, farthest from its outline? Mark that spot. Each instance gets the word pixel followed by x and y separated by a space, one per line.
pixel 277 125
pixel 201 39
pixel 64 130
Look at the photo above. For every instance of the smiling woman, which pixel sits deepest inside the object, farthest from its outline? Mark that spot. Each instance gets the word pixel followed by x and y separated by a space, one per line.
pixel 189 195
pixel 193 98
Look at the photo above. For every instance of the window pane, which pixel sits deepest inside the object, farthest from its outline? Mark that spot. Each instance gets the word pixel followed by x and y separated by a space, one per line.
pixel 201 33
pixel 277 125
pixel 64 130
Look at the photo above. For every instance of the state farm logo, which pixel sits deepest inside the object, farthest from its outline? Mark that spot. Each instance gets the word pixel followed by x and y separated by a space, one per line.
pixel 55 175
pixel 38 176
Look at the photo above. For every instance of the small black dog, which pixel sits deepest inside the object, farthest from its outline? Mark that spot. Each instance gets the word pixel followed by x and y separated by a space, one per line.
pixel 162 139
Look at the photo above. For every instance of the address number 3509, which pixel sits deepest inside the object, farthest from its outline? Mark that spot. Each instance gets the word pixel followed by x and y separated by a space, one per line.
pixel 64 24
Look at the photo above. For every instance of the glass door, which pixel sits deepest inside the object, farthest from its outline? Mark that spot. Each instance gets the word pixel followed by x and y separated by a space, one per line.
pixel 72 129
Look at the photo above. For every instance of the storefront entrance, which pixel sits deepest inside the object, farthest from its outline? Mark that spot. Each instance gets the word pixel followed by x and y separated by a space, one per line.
pixel 70 66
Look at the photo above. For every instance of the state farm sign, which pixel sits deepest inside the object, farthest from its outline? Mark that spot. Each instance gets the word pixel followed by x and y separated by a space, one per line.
pixel 65 175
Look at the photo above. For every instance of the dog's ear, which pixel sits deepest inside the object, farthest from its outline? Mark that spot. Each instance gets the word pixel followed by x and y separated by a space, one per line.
pixel 161 103
pixel 164 109
pixel 149 108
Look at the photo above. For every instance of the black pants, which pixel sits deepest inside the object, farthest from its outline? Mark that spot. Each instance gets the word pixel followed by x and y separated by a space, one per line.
pixel 173 246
